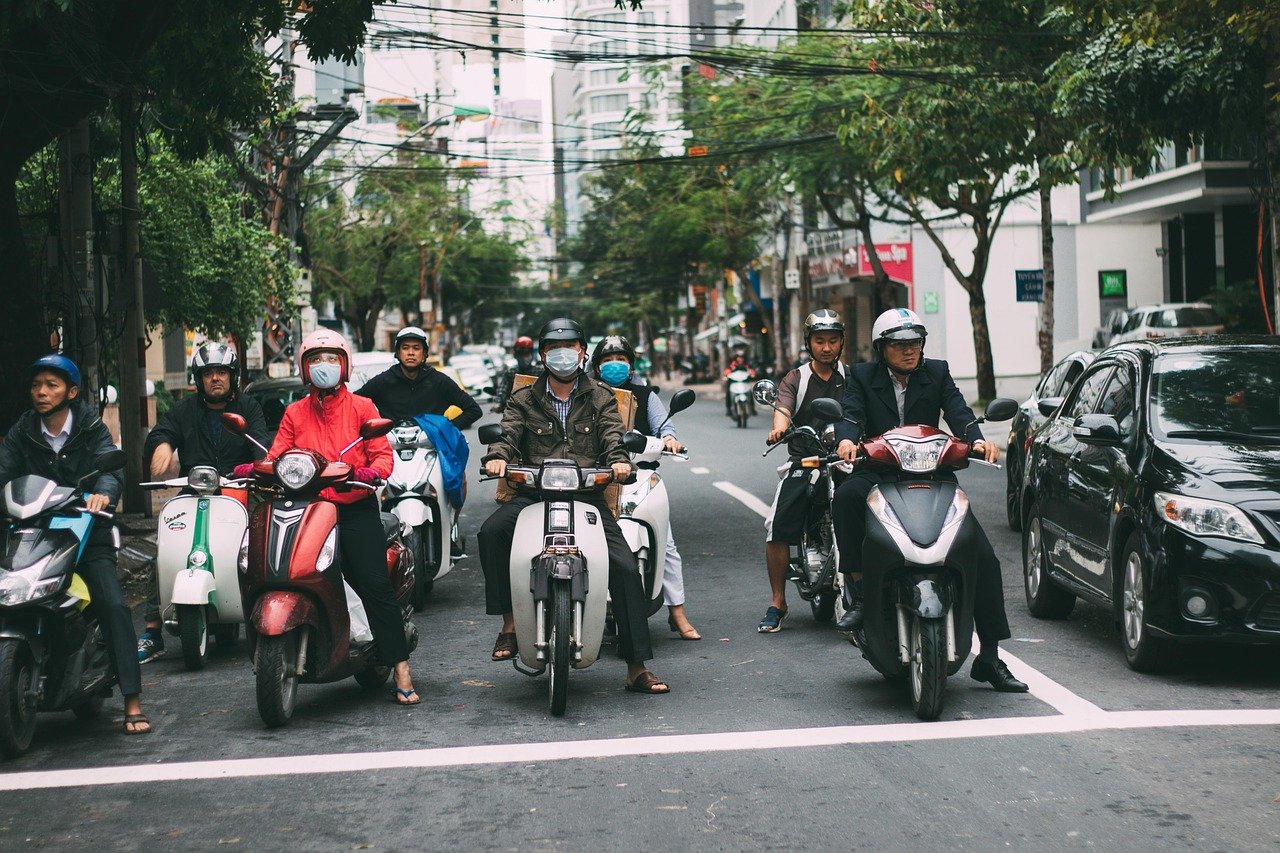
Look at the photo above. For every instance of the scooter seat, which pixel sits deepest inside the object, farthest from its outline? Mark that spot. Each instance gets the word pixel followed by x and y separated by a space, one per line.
pixel 390 525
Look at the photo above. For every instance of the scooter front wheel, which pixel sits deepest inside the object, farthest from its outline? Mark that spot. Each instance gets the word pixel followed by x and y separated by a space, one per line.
pixel 193 628
pixel 277 678
pixel 560 638
pixel 928 667
pixel 17 716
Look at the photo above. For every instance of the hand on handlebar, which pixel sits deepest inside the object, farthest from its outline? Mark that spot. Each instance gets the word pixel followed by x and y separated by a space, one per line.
pixel 621 471
pixel 496 467
pixel 242 471
pixel 986 450
pixel 775 435
pixel 97 503
pixel 366 475
pixel 672 444
pixel 847 450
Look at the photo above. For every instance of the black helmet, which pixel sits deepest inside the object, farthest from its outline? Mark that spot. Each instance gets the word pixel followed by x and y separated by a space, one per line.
pixel 610 345
pixel 210 355
pixel 822 320
pixel 562 329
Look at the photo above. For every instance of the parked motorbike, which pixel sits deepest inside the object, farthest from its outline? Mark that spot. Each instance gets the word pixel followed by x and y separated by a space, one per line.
pixel 197 543
pixel 305 622
pixel 917 591
pixel 739 390
pixel 813 566
pixel 559 545
pixel 646 511
pixel 52 654
pixel 416 495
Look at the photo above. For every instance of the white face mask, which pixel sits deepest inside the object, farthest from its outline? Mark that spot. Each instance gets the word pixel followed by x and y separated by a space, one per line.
pixel 325 376
pixel 563 362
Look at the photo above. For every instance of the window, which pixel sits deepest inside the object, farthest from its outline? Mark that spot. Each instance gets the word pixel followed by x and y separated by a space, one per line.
pixel 1181 318
pixel 606 129
pixel 1118 399
pixel 1134 321
pixel 1051 385
pixel 615 103
pixel 604 76
pixel 1090 390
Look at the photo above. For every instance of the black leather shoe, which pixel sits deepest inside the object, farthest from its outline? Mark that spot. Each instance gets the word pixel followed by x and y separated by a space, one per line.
pixel 997 674
pixel 852 618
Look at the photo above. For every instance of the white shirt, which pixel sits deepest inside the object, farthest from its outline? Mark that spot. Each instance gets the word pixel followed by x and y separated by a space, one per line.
pixel 900 394
pixel 57 441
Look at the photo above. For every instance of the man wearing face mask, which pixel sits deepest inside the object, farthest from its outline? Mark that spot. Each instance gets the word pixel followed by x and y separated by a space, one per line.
pixel 566 415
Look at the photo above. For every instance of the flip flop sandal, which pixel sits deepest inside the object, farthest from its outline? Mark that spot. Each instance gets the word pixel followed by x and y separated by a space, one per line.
pixel 645 682
pixel 133 720
pixel 772 621
pixel 400 697
pixel 506 647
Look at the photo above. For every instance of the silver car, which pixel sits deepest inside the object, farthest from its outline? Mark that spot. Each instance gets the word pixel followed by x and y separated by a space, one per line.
pixel 1170 320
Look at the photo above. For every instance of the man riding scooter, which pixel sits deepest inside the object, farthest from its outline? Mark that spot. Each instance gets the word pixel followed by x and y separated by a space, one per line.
pixel 526 363
pixel 192 429
pixel 823 376
pixel 566 415
pixel 412 387
pixel 903 387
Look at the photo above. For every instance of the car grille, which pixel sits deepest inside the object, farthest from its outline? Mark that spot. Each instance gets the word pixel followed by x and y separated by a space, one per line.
pixel 1268 616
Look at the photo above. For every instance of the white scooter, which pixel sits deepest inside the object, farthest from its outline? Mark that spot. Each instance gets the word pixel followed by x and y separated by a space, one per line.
pixel 416 495
pixel 198 541
pixel 646 510
pixel 739 390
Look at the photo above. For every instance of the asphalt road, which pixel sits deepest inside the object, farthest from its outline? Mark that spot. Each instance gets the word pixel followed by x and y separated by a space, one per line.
pixel 766 741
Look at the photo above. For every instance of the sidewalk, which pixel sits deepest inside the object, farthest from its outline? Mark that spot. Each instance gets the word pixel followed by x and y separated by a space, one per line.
pixel 137 554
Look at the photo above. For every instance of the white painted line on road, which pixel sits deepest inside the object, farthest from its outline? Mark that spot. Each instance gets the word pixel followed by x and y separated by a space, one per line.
pixel 525 753
pixel 1045 688
pixel 752 502
pixel 698 469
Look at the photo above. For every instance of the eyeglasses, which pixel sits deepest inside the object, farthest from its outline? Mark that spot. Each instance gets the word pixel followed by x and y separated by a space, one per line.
pixel 906 346
pixel 324 357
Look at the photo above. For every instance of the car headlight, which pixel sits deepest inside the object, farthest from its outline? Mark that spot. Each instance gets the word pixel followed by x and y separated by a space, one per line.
pixel 202 479
pixel 295 470
pixel 330 547
pixel 559 479
pixel 1201 517
pixel 20 587
pixel 918 457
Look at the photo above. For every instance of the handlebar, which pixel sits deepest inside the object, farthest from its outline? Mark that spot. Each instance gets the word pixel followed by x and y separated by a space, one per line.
pixel 100 513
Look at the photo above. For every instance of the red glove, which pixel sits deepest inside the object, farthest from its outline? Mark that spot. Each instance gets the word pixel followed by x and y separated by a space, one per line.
pixel 243 470
pixel 365 475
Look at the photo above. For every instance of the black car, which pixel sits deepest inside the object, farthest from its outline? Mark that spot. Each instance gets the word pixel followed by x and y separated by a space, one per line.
pixel 1154 490
pixel 275 395
pixel 1056 383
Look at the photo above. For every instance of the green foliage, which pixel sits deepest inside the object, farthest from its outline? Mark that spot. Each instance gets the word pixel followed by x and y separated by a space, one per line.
pixel 1240 306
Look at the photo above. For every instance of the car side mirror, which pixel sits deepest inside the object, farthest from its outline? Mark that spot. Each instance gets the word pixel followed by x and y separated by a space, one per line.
pixel 681 400
pixel 827 410
pixel 1098 430
pixel 490 434
pixel 1001 409
pixel 634 441
pixel 235 423
pixel 1049 405
pixel 765 392
pixel 376 427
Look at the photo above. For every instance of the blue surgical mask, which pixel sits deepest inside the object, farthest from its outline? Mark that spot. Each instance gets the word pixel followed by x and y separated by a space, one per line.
pixel 615 372
pixel 563 362
pixel 325 376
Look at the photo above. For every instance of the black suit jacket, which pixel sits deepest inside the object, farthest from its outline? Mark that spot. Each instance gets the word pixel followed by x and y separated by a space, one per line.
pixel 931 392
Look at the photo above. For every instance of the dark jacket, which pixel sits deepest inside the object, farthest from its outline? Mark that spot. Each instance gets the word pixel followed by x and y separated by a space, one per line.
pixel 533 368
pixel 870 403
pixel 186 427
pixel 531 424
pixel 400 398
pixel 25 451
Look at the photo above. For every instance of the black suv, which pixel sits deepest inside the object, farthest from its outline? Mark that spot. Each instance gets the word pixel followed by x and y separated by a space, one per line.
pixel 1154 489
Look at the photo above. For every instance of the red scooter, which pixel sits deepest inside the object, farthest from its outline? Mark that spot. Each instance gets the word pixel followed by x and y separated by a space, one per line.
pixel 300 627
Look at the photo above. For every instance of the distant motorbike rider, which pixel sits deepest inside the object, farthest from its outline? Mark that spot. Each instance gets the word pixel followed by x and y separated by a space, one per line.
pixel 60 439
pixel 412 387
pixel 738 361
pixel 326 421
pixel 566 415
pixel 822 376
pixel 614 360
pixel 903 387
pixel 526 363
pixel 192 428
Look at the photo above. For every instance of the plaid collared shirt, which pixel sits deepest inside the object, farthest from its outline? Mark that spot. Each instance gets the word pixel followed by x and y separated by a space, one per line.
pixel 561 406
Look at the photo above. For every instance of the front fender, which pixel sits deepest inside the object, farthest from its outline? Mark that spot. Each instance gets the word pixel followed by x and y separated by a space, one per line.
pixel 193 586
pixel 278 612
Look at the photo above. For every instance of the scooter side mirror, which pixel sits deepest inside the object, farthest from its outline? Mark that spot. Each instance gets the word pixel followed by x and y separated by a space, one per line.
pixel 634 442
pixel 490 434
pixel 112 460
pixel 235 423
pixel 681 400
pixel 765 392
pixel 1001 409
pixel 827 410
pixel 376 427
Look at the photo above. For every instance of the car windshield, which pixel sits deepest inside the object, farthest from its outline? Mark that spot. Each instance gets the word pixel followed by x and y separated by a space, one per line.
pixel 1182 318
pixel 275 400
pixel 1227 391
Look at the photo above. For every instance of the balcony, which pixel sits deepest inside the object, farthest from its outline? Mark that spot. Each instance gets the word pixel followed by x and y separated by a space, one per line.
pixel 1184 179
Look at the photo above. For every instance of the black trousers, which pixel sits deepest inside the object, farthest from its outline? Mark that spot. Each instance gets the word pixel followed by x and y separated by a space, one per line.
pixel 364 565
pixel 848 513
pixel 629 612
pixel 101 575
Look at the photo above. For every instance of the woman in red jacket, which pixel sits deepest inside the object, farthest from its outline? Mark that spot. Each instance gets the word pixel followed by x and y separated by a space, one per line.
pixel 327 420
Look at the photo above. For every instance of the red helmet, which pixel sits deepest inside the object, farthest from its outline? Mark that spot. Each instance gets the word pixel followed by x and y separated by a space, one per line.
pixel 524 342
pixel 324 340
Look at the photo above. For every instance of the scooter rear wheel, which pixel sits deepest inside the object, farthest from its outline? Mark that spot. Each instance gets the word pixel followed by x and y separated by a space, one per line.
pixel 193 627
pixel 277 678
pixel 560 638
pixel 928 667
pixel 17 717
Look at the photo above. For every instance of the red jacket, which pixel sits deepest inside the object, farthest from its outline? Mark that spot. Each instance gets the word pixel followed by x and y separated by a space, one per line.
pixel 328 424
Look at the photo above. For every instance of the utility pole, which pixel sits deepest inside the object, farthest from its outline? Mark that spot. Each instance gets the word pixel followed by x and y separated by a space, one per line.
pixel 80 324
pixel 133 346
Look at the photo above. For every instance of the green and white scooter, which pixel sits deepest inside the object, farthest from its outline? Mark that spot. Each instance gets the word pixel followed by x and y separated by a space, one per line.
pixel 199 539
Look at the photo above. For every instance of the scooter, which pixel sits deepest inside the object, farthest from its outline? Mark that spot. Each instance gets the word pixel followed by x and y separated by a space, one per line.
pixel 558 546
pixel 416 495
pixel 814 563
pixel 739 390
pixel 52 655
pixel 305 623
pixel 646 511
pixel 917 591
pixel 197 542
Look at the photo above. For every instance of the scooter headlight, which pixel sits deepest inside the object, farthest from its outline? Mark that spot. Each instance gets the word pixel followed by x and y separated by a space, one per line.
pixel 918 456
pixel 203 479
pixel 242 559
pixel 21 587
pixel 560 478
pixel 296 470
pixel 327 551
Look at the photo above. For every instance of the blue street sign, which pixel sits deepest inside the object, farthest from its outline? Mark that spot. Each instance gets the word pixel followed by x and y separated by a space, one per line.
pixel 1030 285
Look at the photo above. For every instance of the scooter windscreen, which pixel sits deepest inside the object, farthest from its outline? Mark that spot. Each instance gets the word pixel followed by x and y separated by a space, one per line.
pixel 27 496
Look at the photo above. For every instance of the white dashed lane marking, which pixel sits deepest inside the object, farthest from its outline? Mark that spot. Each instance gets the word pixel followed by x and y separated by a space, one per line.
pixel 749 500
pixel 698 469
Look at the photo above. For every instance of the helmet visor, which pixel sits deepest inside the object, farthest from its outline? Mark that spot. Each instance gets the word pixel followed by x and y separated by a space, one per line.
pixel 908 333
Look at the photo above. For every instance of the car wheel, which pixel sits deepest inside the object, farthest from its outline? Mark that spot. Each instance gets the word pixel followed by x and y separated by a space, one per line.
pixel 1045 599
pixel 1013 488
pixel 1144 651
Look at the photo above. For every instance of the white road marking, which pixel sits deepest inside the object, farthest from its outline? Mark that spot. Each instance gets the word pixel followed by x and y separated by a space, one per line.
pixel 518 753
pixel 751 501
pixel 1045 688
pixel 698 469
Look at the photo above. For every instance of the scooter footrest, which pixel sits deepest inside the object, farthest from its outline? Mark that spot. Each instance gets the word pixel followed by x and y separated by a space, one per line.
pixel 532 673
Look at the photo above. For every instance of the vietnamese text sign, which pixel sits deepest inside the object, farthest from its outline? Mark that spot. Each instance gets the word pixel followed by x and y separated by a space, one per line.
pixel 1113 284
pixel 1030 285
pixel 894 257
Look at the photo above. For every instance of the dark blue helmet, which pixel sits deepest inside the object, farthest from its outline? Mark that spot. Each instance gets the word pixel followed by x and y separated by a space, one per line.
pixel 59 364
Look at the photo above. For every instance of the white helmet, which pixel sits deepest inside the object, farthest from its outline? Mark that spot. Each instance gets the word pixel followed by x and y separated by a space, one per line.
pixel 214 354
pixel 898 324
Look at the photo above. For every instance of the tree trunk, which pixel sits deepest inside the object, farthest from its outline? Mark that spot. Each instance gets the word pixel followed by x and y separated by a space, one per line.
pixel 1044 334
pixel 26 334
pixel 133 345
pixel 982 345
pixel 1271 172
